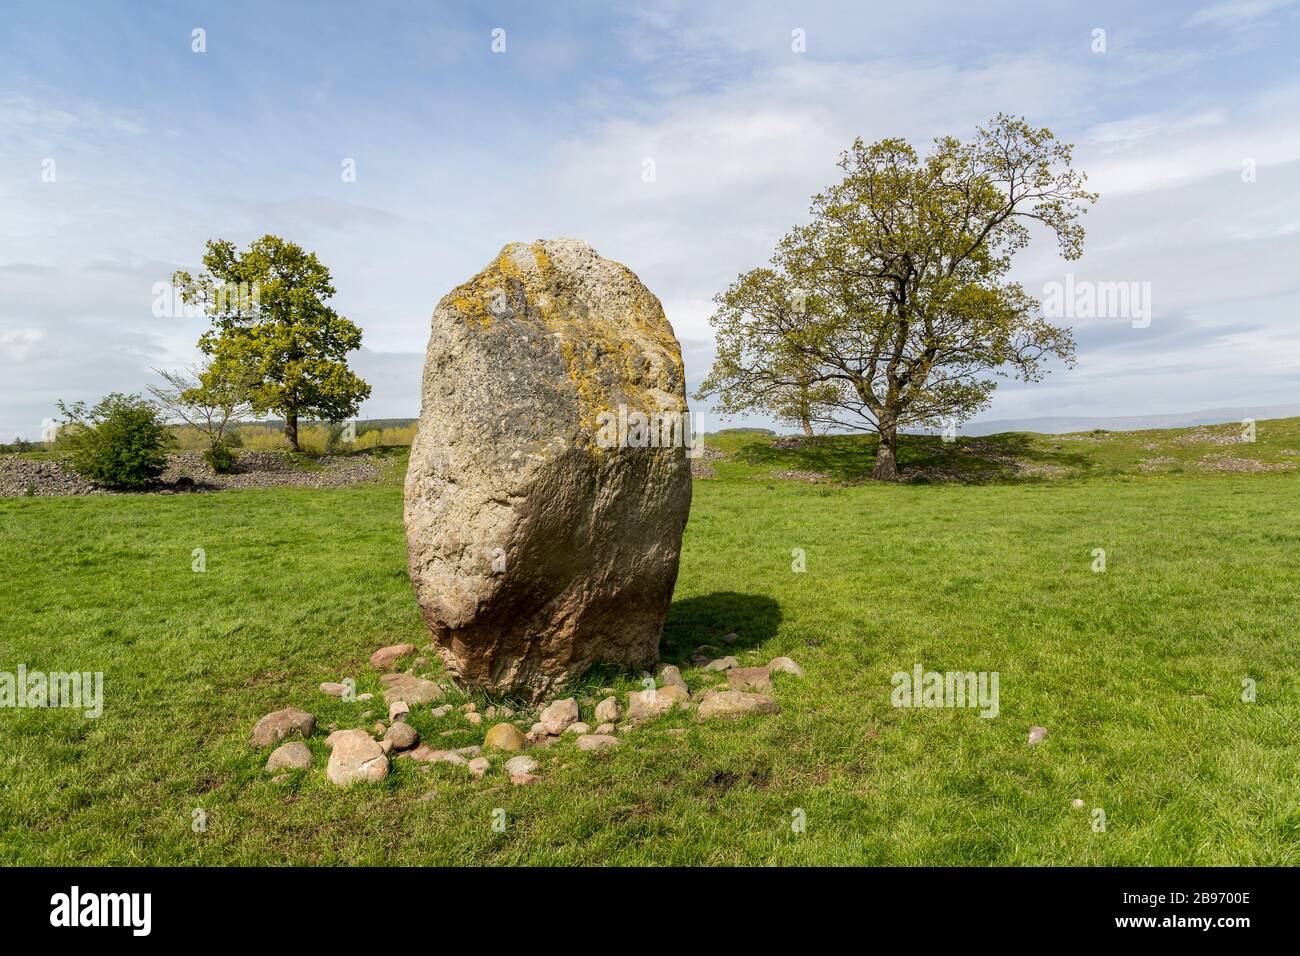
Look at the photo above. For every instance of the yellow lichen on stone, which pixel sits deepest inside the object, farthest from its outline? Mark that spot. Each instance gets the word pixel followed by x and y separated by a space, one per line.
pixel 613 351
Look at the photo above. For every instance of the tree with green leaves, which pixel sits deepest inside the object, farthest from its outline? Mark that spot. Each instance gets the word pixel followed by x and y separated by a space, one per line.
pixel 269 314
pixel 210 398
pixel 800 398
pixel 893 304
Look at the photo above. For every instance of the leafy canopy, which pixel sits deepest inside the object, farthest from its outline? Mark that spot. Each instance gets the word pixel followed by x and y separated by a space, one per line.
pixel 119 443
pixel 211 399
pixel 271 323
pixel 891 306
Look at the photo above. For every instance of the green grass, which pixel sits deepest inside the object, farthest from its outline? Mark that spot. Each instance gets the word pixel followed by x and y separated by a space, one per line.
pixel 1137 674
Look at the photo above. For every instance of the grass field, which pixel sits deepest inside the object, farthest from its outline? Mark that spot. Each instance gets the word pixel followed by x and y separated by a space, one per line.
pixel 1136 672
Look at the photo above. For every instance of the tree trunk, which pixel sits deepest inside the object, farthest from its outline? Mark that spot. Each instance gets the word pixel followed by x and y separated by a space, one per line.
pixel 887 455
pixel 291 430
pixel 807 426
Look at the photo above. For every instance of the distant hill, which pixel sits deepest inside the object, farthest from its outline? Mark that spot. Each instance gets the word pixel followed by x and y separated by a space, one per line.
pixel 1050 425
pixel 1084 423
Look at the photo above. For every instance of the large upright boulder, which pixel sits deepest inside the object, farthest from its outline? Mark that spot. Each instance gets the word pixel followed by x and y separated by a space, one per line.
pixel 549 483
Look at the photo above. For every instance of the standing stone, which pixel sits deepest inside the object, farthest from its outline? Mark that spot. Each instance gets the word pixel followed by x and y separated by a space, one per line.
pixel 543 531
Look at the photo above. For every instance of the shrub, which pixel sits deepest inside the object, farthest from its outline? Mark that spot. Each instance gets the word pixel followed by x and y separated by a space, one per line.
pixel 221 457
pixel 120 443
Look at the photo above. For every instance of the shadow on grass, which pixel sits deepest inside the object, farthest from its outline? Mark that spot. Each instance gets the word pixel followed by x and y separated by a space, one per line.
pixel 842 457
pixel 921 458
pixel 754 618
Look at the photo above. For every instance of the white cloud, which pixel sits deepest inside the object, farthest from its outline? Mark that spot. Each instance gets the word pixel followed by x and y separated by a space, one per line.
pixel 742 132
pixel 1236 12
pixel 1156 152
pixel 735 169
pixel 1133 131
pixel 17 344
pixel 33 130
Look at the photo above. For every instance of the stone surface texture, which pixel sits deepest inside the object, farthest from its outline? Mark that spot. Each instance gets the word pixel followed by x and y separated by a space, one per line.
pixel 535 549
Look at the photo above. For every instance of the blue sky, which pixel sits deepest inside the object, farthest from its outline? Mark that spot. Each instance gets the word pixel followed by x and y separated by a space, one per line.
pixel 459 150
